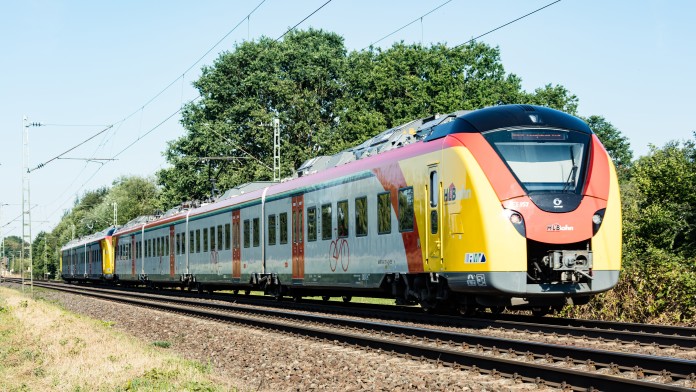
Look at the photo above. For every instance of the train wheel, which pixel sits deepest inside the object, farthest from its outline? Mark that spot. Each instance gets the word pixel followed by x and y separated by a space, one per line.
pixel 346 298
pixel 325 298
pixel 497 309
pixel 541 311
pixel 467 310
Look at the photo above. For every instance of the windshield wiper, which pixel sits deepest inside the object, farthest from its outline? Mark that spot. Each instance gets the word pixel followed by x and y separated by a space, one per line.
pixel 570 181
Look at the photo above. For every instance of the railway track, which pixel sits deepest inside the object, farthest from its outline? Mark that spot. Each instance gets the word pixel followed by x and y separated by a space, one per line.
pixel 555 365
pixel 657 336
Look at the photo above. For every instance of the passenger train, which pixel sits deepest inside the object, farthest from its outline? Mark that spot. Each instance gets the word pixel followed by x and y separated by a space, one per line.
pixel 509 206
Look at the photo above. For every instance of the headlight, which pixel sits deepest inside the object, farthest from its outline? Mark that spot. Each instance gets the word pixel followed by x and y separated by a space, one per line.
pixel 597 220
pixel 515 218
pixel 517 221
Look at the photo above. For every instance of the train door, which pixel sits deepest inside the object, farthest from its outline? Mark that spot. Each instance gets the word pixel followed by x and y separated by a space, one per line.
pixel 171 251
pixel 236 242
pixel 298 237
pixel 133 255
pixel 89 260
pixel 433 219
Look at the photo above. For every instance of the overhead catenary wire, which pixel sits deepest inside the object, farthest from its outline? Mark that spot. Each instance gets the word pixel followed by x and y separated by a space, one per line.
pixel 182 107
pixel 40 165
pixel 508 23
pixel 300 22
pixel 408 24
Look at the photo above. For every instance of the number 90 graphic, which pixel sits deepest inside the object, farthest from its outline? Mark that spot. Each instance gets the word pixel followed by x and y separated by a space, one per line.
pixel 339 251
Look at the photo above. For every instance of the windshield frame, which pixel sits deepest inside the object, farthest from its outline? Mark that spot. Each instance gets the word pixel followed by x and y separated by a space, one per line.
pixel 568 136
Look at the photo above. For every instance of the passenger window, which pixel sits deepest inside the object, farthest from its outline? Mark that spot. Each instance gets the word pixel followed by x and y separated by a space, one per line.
pixel 342 219
pixel 166 246
pixel 205 239
pixel 361 216
pixel 312 224
pixel 326 222
pixel 247 234
pixel 212 239
pixel 219 237
pixel 406 209
pixel 283 219
pixel 198 240
pixel 384 213
pixel 271 229
pixel 192 242
pixel 434 189
pixel 227 236
pixel 256 231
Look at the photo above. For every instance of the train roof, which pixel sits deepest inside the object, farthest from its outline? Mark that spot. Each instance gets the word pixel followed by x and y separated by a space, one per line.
pixel 509 116
pixel 438 126
pixel 421 130
pixel 89 238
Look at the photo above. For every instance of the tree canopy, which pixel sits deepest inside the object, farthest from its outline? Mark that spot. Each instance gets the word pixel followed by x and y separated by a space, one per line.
pixel 326 99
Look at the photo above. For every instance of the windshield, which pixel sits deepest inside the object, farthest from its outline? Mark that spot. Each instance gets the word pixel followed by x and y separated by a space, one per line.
pixel 543 160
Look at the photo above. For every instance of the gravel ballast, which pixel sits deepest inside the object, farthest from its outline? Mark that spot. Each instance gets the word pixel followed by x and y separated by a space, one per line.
pixel 256 360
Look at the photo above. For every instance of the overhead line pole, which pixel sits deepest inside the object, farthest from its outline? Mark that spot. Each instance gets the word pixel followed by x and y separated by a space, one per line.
pixel 25 248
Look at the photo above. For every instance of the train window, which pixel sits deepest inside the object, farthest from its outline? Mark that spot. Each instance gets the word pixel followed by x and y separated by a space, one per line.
pixel 434 189
pixel 406 209
pixel 247 234
pixel 342 218
pixel 192 242
pixel 384 213
pixel 361 216
pixel 326 222
pixel 198 240
pixel 158 246
pixel 283 220
pixel 205 239
pixel 256 230
pixel 227 235
pixel 213 245
pixel 166 246
pixel 312 224
pixel 219 237
pixel 178 243
pixel 271 229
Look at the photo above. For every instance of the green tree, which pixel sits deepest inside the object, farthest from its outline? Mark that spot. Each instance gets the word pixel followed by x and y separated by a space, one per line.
pixel 617 145
pixel 556 97
pixel 326 100
pixel 663 213
pixel 297 80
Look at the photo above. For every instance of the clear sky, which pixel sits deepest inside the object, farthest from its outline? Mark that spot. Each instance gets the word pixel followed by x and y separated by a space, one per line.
pixel 96 63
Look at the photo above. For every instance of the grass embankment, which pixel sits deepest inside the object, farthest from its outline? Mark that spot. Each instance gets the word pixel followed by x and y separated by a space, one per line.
pixel 43 347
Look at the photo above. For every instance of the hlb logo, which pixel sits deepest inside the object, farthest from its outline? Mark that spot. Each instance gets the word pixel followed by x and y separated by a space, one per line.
pixel 557 227
pixel 474 258
pixel 450 193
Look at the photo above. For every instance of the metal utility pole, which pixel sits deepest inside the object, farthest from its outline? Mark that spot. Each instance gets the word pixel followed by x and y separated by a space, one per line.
pixel 2 244
pixel 25 248
pixel 276 149
pixel 115 213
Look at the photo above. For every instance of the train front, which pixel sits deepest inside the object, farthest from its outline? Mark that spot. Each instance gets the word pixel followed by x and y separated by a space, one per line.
pixel 551 221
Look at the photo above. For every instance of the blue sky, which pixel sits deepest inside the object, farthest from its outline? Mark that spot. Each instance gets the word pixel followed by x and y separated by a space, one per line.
pixel 96 63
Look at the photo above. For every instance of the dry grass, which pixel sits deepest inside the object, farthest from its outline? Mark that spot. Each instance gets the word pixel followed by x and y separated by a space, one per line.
pixel 45 348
